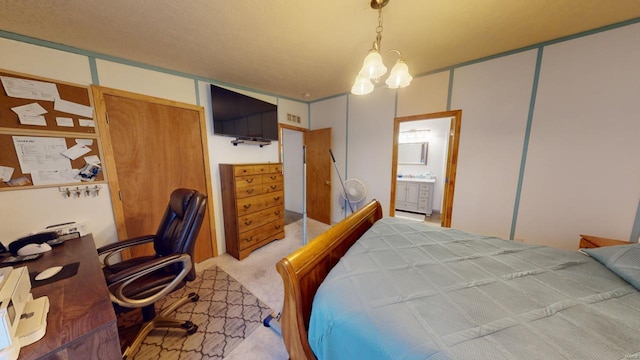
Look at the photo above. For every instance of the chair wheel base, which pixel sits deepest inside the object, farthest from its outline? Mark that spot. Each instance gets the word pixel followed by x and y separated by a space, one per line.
pixel 193 297
pixel 190 327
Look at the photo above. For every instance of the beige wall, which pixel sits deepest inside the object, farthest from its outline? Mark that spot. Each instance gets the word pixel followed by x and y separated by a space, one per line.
pixel 576 175
pixel 572 172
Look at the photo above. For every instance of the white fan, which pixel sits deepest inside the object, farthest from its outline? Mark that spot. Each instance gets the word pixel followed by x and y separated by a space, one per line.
pixel 355 192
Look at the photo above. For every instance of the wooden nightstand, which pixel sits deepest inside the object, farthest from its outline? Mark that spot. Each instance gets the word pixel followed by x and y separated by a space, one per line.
pixel 588 241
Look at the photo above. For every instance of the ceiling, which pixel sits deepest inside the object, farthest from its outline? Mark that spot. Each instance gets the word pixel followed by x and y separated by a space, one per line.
pixel 303 49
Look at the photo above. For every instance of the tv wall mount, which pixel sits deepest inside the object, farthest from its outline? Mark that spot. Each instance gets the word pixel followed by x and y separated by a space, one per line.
pixel 251 141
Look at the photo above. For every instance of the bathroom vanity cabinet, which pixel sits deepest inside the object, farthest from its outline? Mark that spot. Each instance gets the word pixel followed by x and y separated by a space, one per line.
pixel 415 195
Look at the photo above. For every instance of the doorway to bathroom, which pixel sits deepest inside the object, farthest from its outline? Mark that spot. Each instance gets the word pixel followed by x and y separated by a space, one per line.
pixel 425 157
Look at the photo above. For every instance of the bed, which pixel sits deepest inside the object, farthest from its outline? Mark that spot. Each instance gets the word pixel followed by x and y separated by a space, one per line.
pixel 406 290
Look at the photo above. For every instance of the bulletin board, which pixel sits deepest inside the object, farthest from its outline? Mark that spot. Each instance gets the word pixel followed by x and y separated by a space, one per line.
pixel 47 133
pixel 68 94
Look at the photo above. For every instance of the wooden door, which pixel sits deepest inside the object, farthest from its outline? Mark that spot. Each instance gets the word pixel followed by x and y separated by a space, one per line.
pixel 155 146
pixel 318 143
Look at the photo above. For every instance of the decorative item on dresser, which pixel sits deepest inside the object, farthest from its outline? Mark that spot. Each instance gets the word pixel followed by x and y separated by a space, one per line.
pixel 253 206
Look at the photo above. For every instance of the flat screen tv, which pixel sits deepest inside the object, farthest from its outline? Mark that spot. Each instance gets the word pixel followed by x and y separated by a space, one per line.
pixel 242 116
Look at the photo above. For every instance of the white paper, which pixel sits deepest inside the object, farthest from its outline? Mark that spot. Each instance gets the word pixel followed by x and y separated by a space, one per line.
pixel 40 153
pixel 73 108
pixel 86 123
pixel 76 151
pixel 5 173
pixel 32 120
pixel 48 177
pixel 92 159
pixel 29 89
pixel 33 109
pixel 64 121
pixel 85 142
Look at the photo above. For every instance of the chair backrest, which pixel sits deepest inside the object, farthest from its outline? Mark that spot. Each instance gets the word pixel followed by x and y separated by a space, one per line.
pixel 180 225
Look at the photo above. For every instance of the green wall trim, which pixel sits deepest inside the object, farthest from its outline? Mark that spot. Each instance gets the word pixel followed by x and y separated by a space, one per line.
pixel 197 91
pixel 95 79
pixel 635 231
pixel 525 146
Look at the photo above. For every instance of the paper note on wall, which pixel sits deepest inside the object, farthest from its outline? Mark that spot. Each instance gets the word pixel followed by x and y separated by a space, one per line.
pixel 29 89
pixel 40 153
pixel 49 177
pixel 76 151
pixel 5 173
pixel 73 108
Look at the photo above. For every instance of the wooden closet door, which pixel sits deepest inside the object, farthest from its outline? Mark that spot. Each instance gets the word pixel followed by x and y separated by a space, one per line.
pixel 156 148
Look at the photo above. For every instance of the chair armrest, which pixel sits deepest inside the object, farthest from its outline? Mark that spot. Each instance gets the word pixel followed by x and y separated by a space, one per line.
pixel 121 245
pixel 111 250
pixel 122 279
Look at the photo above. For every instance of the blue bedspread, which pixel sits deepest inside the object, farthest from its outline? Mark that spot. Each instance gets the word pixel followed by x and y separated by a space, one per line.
pixel 407 290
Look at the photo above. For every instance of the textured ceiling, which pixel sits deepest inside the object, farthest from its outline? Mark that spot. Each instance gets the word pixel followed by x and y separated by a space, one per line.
pixel 297 47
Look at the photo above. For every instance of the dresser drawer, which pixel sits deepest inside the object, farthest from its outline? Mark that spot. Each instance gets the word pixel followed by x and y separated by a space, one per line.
pixel 251 190
pixel 264 232
pixel 261 169
pixel 423 194
pixel 275 168
pixel 272 187
pixel 257 219
pixel 242 170
pixel 252 204
pixel 272 178
pixel 243 182
pixel 424 187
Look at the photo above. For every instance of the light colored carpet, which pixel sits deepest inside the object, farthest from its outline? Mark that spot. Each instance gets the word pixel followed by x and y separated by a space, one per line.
pixel 258 274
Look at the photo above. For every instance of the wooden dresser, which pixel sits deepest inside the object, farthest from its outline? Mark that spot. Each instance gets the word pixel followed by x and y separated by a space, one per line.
pixel 588 241
pixel 252 206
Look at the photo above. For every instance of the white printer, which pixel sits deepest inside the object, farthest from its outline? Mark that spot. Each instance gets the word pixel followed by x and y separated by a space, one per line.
pixel 23 320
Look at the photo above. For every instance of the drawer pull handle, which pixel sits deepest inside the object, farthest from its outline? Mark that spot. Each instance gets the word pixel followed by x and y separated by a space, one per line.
pixel 277 227
pixel 246 206
pixel 273 187
pixel 250 180
pixel 273 177
pixel 248 222
pixel 276 198
pixel 250 191
pixel 277 213
pixel 248 239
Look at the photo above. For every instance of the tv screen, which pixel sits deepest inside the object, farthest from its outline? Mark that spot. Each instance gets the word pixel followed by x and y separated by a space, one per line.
pixel 242 116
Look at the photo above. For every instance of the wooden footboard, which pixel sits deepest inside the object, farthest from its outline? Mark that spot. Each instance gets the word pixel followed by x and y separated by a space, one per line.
pixel 304 270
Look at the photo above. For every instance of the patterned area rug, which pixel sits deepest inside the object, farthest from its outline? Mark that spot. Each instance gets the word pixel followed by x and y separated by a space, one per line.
pixel 225 314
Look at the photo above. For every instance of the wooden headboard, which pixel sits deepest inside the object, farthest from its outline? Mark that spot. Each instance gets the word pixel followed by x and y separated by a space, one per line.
pixel 304 270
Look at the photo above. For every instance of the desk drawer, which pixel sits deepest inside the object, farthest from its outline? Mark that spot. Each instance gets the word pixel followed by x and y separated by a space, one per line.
pixel 257 219
pixel 252 204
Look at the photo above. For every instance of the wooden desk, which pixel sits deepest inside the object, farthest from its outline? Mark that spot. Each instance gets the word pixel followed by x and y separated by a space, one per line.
pixel 81 323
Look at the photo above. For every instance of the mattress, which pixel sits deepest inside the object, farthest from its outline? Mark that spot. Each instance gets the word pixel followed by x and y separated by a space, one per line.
pixel 408 290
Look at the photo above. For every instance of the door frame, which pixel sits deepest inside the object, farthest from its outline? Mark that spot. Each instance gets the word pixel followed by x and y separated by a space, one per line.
pixel 452 160
pixel 109 162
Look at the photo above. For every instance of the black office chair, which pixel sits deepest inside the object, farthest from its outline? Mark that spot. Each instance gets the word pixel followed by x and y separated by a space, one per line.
pixel 140 282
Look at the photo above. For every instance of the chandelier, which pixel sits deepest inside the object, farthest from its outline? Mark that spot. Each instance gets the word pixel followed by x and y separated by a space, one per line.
pixel 373 68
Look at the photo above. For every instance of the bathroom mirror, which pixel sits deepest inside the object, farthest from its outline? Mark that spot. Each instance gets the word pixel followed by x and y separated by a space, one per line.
pixel 413 153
